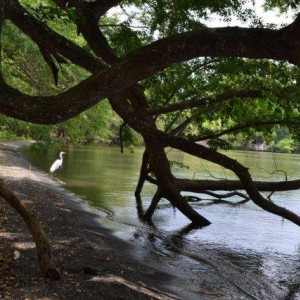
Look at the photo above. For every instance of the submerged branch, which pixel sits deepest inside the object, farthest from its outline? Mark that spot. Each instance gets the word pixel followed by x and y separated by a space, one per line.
pixel 200 186
pixel 231 185
pixel 195 199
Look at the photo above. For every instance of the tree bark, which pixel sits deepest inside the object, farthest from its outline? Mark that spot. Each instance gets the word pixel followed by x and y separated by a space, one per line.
pixel 199 186
pixel 167 183
pixel 46 263
pixel 143 173
pixel 149 213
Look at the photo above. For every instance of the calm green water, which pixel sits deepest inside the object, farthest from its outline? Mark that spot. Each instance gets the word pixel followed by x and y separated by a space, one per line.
pixel 246 236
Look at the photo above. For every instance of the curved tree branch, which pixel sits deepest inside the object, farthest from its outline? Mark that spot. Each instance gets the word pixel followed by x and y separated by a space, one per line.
pixel 48 39
pixel 87 24
pixel 121 136
pixel 101 7
pixel 140 64
pixel 156 198
pixel 144 171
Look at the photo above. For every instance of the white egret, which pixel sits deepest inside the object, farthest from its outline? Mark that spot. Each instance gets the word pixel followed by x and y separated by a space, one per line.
pixel 57 164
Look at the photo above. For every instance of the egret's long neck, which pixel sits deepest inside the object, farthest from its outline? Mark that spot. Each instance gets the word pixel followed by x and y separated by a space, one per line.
pixel 61 156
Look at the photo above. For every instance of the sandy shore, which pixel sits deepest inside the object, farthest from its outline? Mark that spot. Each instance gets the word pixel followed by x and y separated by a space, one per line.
pixel 93 263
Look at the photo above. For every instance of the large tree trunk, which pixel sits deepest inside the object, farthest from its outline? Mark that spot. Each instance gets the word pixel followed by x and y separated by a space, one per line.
pixel 167 183
pixel 158 160
pixel 46 263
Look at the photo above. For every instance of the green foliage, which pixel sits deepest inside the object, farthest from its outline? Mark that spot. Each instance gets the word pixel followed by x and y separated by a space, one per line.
pixel 203 78
pixel 283 5
pixel 47 11
pixel 217 143
pixel 168 17
pixel 285 145
pixel 283 141
pixel 24 68
pixel 129 137
pixel 131 39
pixel 6 135
pixel 92 126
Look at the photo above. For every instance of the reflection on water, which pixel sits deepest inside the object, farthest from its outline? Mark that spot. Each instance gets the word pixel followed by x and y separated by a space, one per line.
pixel 246 239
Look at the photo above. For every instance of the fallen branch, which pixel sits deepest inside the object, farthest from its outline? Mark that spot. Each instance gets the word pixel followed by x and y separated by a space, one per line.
pixel 46 263
pixel 199 186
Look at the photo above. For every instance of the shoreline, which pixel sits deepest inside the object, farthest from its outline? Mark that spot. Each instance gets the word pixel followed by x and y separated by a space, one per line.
pixel 94 264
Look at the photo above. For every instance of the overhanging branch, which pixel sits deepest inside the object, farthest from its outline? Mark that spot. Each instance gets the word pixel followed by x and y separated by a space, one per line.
pixel 48 39
pixel 198 186
pixel 138 65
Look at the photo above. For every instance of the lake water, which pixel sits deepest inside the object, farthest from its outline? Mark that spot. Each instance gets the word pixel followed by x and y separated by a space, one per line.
pixel 246 252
